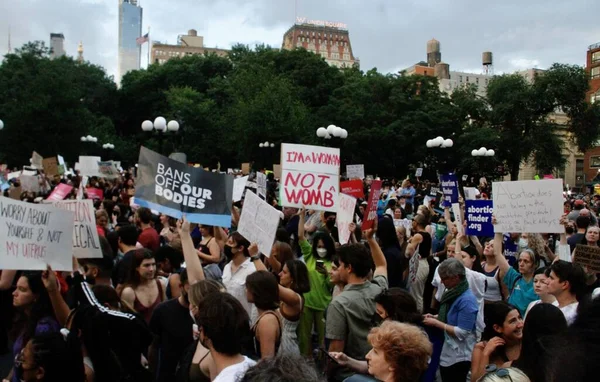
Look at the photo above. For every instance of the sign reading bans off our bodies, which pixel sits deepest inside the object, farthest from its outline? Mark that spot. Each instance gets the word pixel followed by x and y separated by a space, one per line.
pixel 174 188
pixel 310 177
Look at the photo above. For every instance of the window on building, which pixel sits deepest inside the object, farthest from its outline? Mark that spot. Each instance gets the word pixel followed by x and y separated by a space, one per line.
pixel 467 78
pixel 596 56
pixel 346 57
pixel 595 162
pixel 595 97
pixel 595 72
pixel 459 78
pixel 477 80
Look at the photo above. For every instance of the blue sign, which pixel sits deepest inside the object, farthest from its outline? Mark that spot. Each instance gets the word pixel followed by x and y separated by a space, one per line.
pixel 510 249
pixel 479 217
pixel 449 189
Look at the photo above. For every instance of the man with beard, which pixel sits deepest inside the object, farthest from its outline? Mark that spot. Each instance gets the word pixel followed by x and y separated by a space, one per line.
pixel 171 325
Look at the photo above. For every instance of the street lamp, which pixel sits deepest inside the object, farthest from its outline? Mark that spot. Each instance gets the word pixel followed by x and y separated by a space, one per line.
pixel 439 142
pixel 108 146
pixel 483 152
pixel 89 138
pixel 332 131
pixel 266 145
pixel 1 125
pixel 161 126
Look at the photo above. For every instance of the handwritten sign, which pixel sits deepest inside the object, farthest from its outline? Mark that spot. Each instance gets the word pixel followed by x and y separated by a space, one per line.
pixel 261 181
pixel 310 177
pixel 353 188
pixel 479 217
pixel 449 189
pixel 345 216
pixel 86 244
pixel 355 171
pixel 259 222
pixel 528 206
pixel 50 166
pixel 371 212
pixel 34 235
pixel 60 192
pixel 588 256
pixel 88 166
pixel 239 184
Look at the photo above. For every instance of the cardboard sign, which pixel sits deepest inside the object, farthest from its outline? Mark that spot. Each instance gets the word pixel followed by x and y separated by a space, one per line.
pixel 277 171
pixel 239 185
pixel 258 223
pixel 261 181
pixel 108 170
pixel 371 212
pixel 419 172
pixel 353 187
pixel 15 192
pixel 449 189
pixel 88 166
pixel 30 183
pixel 50 166
pixel 355 171
pixel 245 168
pixel 37 161
pixel 94 193
pixel 528 206
pixel 479 217
pixel 345 216
pixel 86 244
pixel 587 256
pixel 34 235
pixel 310 177
pixel 60 192
pixel 174 188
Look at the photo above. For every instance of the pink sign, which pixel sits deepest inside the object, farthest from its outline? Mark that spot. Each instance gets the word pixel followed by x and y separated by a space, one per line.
pixel 60 192
pixel 549 176
pixel 95 193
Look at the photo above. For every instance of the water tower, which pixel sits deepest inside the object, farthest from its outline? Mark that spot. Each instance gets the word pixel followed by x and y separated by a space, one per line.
pixel 488 63
pixel 434 54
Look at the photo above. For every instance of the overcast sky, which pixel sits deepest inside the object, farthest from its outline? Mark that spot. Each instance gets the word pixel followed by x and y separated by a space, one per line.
pixel 387 34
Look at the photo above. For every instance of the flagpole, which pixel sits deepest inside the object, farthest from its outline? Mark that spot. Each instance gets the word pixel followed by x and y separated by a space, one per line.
pixel 149 47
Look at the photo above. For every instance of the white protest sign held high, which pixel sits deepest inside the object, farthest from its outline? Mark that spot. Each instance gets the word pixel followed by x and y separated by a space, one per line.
pixel 310 177
pixel 458 220
pixel 419 172
pixel 37 160
pixel 108 169
pixel 345 215
pixel 261 181
pixel 86 244
pixel 471 193
pixel 355 171
pixel 259 222
pixel 528 206
pixel 88 166
pixel 239 184
pixel 33 235
pixel 30 183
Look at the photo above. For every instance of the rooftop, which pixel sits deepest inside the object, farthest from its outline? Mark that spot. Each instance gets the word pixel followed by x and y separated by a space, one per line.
pixel 594 46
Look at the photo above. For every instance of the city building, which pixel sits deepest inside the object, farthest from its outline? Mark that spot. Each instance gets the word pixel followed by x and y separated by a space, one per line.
pixel 80 52
pixel 187 45
pixel 326 39
pixel 591 165
pixel 57 45
pixel 130 28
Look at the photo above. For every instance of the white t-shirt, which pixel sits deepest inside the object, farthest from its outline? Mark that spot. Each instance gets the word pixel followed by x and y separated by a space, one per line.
pixel 235 372
pixel 570 311
pixel 236 282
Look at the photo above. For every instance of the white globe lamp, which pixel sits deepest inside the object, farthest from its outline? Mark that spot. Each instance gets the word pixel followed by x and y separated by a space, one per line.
pixel 448 143
pixel 482 151
pixel 321 132
pixel 160 124
pixel 475 153
pixel 147 126
pixel 331 129
pixel 490 153
pixel 173 126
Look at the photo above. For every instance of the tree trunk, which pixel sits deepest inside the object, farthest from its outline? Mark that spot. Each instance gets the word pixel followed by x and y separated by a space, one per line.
pixel 514 170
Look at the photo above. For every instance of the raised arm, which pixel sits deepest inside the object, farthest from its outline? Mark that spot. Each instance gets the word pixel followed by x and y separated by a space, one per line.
pixel 7 278
pixel 376 252
pixel 60 307
pixel 448 218
pixel 500 259
pixel 235 216
pixel 192 261
pixel 301 222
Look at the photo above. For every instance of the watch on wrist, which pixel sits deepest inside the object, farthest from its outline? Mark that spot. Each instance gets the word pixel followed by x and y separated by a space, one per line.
pixel 255 257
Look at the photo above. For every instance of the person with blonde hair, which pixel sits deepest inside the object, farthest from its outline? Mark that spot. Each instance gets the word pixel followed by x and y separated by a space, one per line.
pixel 400 353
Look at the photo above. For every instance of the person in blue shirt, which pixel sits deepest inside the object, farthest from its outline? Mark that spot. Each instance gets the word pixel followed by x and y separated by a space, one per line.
pixel 408 191
pixel 519 284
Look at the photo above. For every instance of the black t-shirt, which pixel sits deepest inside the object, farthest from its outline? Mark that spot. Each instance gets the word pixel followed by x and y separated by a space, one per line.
pixel 172 325
pixel 397 263
pixel 575 239
pixel 122 269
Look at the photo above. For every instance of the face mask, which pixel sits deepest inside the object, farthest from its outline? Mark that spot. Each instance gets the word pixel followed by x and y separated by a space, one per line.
pixel 523 243
pixel 228 252
pixel 322 252
pixel 330 224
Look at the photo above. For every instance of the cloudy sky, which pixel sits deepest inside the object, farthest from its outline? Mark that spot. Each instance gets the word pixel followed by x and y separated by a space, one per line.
pixel 387 34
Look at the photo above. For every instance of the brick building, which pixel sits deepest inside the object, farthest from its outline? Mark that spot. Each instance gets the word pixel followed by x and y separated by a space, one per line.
pixel 591 165
pixel 187 45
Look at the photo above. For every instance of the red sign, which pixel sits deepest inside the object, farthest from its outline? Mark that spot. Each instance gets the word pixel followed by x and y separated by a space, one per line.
pixel 60 192
pixel 95 193
pixel 353 188
pixel 371 212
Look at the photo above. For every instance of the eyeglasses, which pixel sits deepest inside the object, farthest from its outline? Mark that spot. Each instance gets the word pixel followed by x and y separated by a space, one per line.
pixel 500 372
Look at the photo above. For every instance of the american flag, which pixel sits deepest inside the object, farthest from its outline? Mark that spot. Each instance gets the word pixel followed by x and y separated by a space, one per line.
pixel 142 40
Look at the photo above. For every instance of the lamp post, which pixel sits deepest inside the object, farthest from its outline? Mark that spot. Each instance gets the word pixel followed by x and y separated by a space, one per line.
pixel 267 147
pixel 439 142
pixel 1 125
pixel 162 127
pixel 334 133
pixel 481 153
pixel 90 139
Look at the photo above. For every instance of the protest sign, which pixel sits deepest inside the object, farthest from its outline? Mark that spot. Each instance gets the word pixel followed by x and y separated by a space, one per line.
pixel 458 219
pixel 86 244
pixel 528 206
pixel 62 166
pixel 353 188
pixel 433 191
pixel 50 166
pixel 261 181
pixel 37 161
pixel 587 256
pixel 471 193
pixel 15 192
pixel 174 188
pixel 94 193
pixel 407 224
pixel 449 189
pixel 345 216
pixel 60 192
pixel 258 223
pixel 34 235
pixel 419 172
pixel 310 176
pixel 245 168
pixel 277 171
pixel 479 217
pixel 30 183
pixel 465 177
pixel 239 184
pixel 355 171
pixel 107 169
pixel 88 166
pixel 371 212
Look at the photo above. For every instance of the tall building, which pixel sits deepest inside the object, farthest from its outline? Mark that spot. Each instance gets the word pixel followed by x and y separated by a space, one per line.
pixel 80 52
pixel 187 45
pixel 57 45
pixel 593 68
pixel 329 40
pixel 130 28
